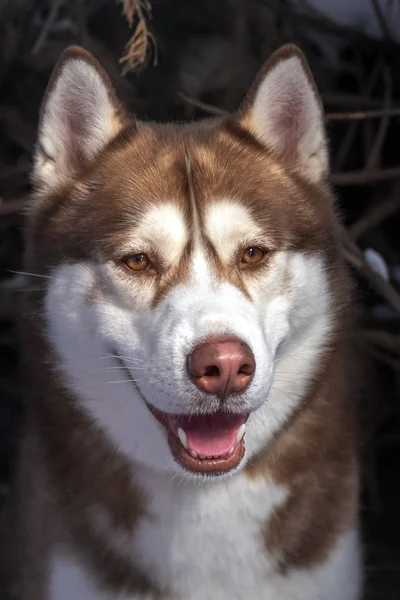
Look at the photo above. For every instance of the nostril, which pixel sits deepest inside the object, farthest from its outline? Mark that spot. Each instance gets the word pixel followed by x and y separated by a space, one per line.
pixel 212 371
pixel 246 369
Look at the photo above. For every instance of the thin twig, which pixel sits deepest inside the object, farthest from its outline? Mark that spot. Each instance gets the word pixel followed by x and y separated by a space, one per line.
pixel 381 20
pixel 350 100
pixel 207 108
pixel 383 339
pixel 361 115
pixel 47 26
pixel 365 177
pixel 379 212
pixel 373 159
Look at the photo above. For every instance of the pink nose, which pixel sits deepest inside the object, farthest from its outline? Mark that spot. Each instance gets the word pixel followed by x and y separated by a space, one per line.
pixel 221 366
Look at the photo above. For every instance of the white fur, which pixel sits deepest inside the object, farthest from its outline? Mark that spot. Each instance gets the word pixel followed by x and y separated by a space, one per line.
pixel 288 118
pixel 228 514
pixel 78 116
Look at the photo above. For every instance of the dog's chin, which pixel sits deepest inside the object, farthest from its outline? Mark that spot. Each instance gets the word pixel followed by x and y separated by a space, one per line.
pixel 205 445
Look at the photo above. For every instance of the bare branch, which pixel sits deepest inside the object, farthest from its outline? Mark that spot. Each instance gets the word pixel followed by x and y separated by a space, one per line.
pixel 207 108
pixel 365 177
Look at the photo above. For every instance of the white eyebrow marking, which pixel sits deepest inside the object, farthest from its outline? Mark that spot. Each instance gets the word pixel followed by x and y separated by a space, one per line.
pixel 228 224
pixel 164 229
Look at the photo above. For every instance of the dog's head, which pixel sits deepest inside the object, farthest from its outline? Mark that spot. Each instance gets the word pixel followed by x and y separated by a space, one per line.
pixel 190 292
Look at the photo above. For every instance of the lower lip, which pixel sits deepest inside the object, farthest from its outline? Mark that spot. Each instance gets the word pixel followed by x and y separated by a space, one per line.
pixel 205 466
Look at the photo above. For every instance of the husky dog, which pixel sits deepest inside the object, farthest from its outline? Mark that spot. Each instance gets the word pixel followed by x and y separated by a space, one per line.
pixel 190 431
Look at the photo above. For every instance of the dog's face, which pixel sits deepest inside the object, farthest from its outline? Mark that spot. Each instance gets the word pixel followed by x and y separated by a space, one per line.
pixel 189 296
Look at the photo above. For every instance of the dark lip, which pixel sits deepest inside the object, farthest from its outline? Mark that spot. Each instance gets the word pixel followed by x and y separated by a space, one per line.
pixel 203 466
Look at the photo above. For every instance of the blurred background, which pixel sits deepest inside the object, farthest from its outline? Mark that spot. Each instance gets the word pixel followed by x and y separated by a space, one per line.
pixel 187 59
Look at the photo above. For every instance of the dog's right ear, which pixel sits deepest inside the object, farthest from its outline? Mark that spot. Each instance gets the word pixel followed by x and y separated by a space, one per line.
pixel 80 114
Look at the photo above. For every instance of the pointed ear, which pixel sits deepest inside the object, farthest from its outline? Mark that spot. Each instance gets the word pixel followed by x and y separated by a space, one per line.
pixel 80 114
pixel 284 111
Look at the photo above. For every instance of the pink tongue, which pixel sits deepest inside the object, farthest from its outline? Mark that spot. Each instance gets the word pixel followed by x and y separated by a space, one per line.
pixel 209 435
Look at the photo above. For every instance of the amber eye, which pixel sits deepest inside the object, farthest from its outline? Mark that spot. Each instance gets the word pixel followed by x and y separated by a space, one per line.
pixel 252 256
pixel 138 262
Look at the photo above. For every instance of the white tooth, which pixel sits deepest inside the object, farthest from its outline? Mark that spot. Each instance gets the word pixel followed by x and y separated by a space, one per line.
pixel 193 453
pixel 231 450
pixel 240 433
pixel 182 437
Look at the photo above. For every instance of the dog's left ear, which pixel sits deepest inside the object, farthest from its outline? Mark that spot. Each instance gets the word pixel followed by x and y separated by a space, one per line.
pixel 284 111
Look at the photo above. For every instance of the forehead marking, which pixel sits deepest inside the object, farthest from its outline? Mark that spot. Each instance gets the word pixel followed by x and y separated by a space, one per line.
pixel 228 224
pixel 163 228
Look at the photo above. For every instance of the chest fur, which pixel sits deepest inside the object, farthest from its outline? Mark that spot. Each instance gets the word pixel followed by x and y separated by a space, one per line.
pixel 211 537
pixel 194 543
pixel 200 544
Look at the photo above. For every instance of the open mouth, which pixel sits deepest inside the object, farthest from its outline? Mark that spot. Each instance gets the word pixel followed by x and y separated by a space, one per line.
pixel 211 444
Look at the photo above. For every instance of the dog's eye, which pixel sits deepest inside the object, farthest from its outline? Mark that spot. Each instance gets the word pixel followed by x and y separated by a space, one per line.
pixel 138 262
pixel 252 256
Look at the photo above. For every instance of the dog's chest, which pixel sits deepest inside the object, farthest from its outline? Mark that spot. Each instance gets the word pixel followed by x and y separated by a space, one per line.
pixel 199 543
pixel 208 538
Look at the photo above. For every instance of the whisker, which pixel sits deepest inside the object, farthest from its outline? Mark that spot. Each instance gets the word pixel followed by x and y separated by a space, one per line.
pixel 23 290
pixel 32 274
pixel 118 381
pixel 132 358
pixel 111 368
pixel 277 390
pixel 122 368
pixel 174 476
pixel 127 358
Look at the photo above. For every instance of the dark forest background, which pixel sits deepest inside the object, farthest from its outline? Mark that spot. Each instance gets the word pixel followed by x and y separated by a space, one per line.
pixel 186 59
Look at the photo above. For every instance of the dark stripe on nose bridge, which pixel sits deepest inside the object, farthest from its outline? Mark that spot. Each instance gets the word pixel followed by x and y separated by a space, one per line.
pixel 194 215
pixel 200 239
